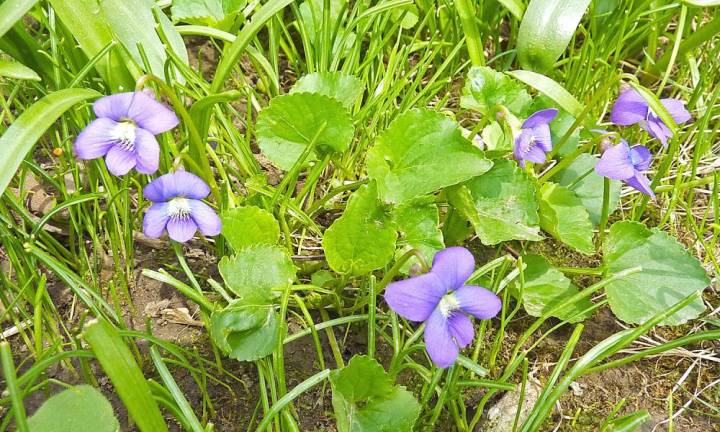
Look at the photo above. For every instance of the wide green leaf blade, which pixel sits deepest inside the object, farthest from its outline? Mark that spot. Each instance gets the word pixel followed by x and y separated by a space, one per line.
pixel 546 30
pixel 363 238
pixel 420 152
pixel 119 365
pixel 11 11
pixel 365 399
pixel 581 178
pixel 563 215
pixel 546 287
pixel 27 129
pixel 17 70
pixel 256 270
pixel 80 408
pixel 501 204
pixel 343 87
pixel 249 226
pixel 85 21
pixel 292 122
pixel 669 274
pixel 419 226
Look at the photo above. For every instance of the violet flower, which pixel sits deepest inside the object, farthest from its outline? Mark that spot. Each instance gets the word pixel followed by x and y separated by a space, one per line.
pixel 177 207
pixel 124 132
pixel 628 164
pixel 441 299
pixel 631 108
pixel 534 140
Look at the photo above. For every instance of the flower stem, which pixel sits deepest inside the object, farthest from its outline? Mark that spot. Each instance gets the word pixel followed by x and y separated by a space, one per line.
pixel 466 10
pixel 605 211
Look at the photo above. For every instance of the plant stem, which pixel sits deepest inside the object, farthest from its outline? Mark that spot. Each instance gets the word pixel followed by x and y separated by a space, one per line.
pixel 605 211
pixel 466 10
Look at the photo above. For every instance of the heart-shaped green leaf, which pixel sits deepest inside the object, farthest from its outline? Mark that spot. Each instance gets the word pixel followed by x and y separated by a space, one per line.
pixel 546 30
pixel 563 215
pixel 422 151
pixel 669 274
pixel 249 226
pixel 419 228
pixel 256 270
pixel 80 408
pixel 294 121
pixel 486 89
pixel 546 287
pixel 365 399
pixel 363 238
pixel 337 85
pixel 245 330
pixel 501 204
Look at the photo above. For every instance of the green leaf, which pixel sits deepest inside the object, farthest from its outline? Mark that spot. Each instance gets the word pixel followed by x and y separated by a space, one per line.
pixel 546 287
pixel 12 11
pixel 516 7
pixel 249 226
pixel 292 122
pixel 546 30
pixel 702 3
pixel 190 10
pixel 669 274
pixel 119 365
pixel 26 130
pixel 343 87
pixel 245 330
pixel 85 21
pixel 140 31
pixel 501 204
pixel 486 88
pixel 17 70
pixel 312 15
pixel 629 422
pixel 363 238
pixel 255 270
pixel 563 215
pixel 80 408
pixel 418 224
pixel 551 89
pixel 365 399
pixel 420 152
pixel 581 178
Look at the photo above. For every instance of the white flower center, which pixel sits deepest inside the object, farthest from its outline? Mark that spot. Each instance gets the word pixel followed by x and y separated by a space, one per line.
pixel 448 304
pixel 178 208
pixel 124 134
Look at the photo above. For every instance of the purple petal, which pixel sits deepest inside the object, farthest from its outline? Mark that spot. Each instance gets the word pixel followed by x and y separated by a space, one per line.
pixel 615 163
pixel 657 129
pixel 677 110
pixel 181 229
pixel 461 329
pixel 640 157
pixel 641 183
pixel 415 298
pixel 114 107
pixel 95 140
pixel 439 341
pixel 478 301
pixel 205 218
pixel 120 161
pixel 179 183
pixel 523 142
pixel 540 118
pixel 535 154
pixel 151 115
pixel 543 138
pixel 155 220
pixel 147 151
pixel 629 108
pixel 453 266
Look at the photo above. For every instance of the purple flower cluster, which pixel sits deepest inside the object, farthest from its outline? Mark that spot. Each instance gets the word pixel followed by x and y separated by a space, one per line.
pixel 441 299
pixel 124 133
pixel 629 164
